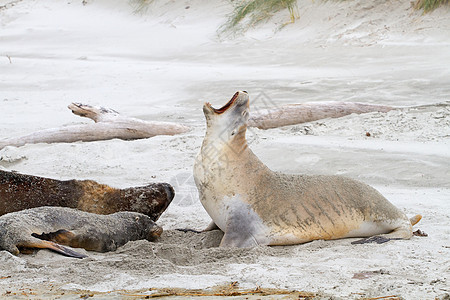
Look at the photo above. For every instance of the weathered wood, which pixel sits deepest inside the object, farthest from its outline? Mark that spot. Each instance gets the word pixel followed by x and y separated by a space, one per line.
pixel 21 191
pixel 292 114
pixel 109 124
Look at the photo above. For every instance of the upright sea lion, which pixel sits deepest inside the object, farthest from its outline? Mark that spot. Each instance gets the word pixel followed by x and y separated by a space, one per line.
pixel 52 227
pixel 256 206
pixel 20 191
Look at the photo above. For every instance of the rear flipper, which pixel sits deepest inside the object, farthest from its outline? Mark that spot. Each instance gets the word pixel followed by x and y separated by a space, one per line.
pixel 375 239
pixel 414 220
pixel 401 233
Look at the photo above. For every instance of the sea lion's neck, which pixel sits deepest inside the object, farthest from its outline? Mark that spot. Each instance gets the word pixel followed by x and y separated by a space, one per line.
pixel 238 144
pixel 225 138
pixel 231 155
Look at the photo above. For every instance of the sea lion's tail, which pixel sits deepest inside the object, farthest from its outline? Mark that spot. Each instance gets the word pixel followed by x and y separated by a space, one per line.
pixel 414 220
pixel 53 246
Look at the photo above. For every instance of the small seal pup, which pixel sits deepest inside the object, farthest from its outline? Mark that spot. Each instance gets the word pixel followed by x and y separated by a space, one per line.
pixel 55 228
pixel 21 191
pixel 253 205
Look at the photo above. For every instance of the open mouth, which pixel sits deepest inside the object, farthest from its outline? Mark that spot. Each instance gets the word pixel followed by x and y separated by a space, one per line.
pixel 226 106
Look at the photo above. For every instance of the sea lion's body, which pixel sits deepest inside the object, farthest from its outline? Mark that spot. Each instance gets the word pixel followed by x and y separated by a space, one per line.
pixel 256 206
pixel 50 227
pixel 21 191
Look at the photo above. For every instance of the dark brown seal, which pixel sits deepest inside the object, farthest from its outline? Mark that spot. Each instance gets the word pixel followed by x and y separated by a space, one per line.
pixel 56 227
pixel 20 191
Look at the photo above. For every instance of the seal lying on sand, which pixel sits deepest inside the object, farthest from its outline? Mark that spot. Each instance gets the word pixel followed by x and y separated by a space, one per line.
pixel 52 227
pixel 20 191
pixel 256 206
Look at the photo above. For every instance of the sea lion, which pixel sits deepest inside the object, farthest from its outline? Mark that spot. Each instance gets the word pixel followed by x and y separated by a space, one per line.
pixel 52 227
pixel 20 191
pixel 253 205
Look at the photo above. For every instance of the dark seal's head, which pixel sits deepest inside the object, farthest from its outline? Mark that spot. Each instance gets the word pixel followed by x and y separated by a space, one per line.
pixel 228 123
pixel 134 226
pixel 151 231
pixel 151 200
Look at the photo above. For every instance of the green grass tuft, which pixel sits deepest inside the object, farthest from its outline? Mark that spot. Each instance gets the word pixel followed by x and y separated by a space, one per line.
pixel 429 5
pixel 140 6
pixel 251 12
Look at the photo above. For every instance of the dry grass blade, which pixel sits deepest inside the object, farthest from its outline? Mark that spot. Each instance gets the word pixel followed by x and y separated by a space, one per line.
pixel 393 297
pixel 226 291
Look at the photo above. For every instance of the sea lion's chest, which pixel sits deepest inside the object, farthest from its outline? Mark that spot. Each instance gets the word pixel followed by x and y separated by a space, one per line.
pixel 216 191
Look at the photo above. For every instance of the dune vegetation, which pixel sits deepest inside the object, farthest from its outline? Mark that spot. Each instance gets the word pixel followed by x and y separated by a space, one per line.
pixel 429 5
pixel 248 13
pixel 141 6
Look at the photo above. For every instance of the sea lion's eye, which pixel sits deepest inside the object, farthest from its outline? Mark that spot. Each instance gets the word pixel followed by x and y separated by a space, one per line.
pixel 233 132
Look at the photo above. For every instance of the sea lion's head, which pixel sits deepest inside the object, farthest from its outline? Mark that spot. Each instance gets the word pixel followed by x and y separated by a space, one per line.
pixel 229 122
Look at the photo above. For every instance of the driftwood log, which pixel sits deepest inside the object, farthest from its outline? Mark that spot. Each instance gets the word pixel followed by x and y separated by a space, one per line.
pixel 109 124
pixel 20 191
pixel 292 114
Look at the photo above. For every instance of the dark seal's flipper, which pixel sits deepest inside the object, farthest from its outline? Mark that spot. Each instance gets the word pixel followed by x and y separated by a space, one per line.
pixel 41 244
pixel 61 236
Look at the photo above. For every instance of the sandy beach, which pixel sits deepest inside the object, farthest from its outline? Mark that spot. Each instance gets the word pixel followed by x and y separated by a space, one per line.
pixel 162 65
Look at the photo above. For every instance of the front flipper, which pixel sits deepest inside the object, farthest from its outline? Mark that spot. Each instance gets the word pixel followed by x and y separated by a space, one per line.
pixel 244 227
pixel 244 230
pixel 211 226
pixel 185 230
pixel 91 240
pixel 56 240
pixel 41 244
pixel 61 236
pixel 238 239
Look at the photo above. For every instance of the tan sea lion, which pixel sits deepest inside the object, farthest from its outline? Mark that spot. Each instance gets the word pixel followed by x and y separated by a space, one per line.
pixel 20 191
pixel 56 227
pixel 256 206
